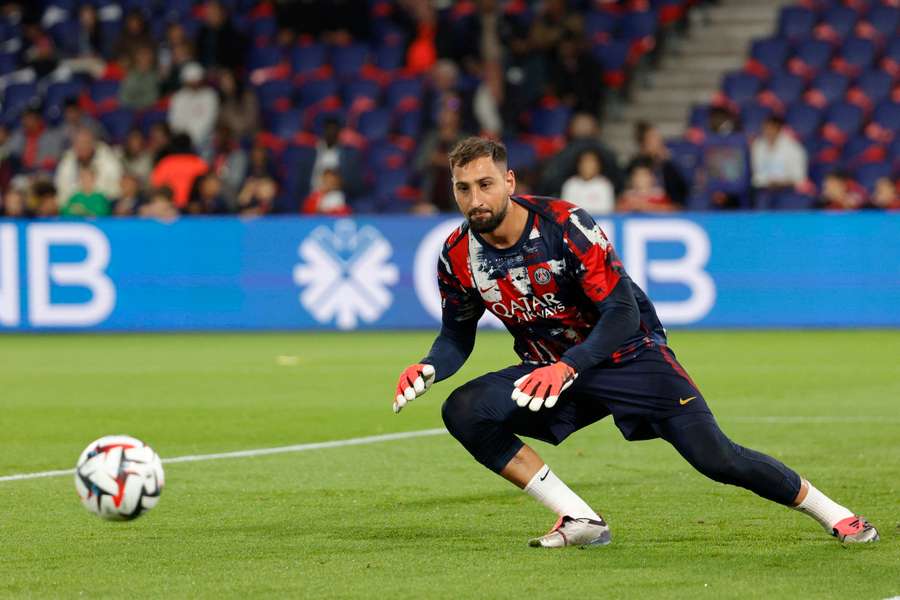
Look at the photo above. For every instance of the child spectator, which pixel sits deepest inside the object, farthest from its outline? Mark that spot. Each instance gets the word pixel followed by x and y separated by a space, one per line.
pixel 159 205
pixel 643 193
pixel 589 189
pixel 840 192
pixel 44 201
pixel 131 197
pixel 208 197
pixel 257 196
pixel 86 201
pixel 328 198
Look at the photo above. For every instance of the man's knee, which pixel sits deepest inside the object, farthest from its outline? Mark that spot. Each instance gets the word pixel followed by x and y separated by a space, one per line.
pixel 460 410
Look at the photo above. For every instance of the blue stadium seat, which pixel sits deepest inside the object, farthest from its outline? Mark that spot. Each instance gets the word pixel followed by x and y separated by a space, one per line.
pixel 868 174
pixel 600 25
pixel 307 58
pixel 261 57
pixel 887 115
pixel 403 89
pixel 521 155
pixel 56 95
pixel 274 91
pixel 550 122
pixel 375 124
pixel 104 89
pixel 815 54
pixel 803 119
pixel 384 155
pixel 856 148
pixel 360 88
pixel 848 118
pixel 787 87
pixel 390 57
pixel 858 52
pixel 892 51
pixel 349 60
pixel 792 201
pixel 637 25
pixel 117 123
pixel 840 19
pixel 296 165
pixel 831 85
pixel 796 22
pixel 699 116
pixel 885 19
pixel 741 87
pixel 17 97
pixel 753 116
pixel 876 85
pixel 263 27
pixel 770 53
pixel 317 90
pixel 387 182
pixel 686 157
pixel 287 123
pixel 409 123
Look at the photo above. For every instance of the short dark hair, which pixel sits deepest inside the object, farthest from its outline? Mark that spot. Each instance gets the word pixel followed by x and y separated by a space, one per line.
pixel 641 129
pixel 474 147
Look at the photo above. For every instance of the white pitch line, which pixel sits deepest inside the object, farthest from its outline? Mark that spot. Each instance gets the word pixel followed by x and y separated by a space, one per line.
pixel 372 439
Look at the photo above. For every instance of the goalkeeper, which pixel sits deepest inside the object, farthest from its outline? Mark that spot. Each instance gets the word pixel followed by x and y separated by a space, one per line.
pixel 591 345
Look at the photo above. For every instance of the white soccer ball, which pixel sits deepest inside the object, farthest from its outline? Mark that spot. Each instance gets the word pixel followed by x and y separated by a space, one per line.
pixel 119 477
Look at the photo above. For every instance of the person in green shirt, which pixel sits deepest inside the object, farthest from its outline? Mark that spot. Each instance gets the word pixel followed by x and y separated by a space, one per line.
pixel 86 201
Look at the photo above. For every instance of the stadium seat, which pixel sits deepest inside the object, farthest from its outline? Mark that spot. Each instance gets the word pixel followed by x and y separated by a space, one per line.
pixel 409 124
pixel 787 87
pixel 56 95
pixel 884 19
pixel 868 174
pixel 400 91
pixel 803 119
pixel 887 115
pixel 388 182
pixel 856 54
pixel 752 117
pixel 307 58
pixel 261 57
pixel 792 201
pixel 316 90
pixel 771 53
pixel 348 60
pixel 384 155
pixel 296 164
pixel 845 117
pixel 811 56
pixel 263 27
pixel 117 123
pixel 273 94
pixel 522 156
pixel 613 56
pixel 360 88
pixel 741 87
pixel 699 116
pixel 17 97
pixel 104 90
pixel 796 22
pixel 837 22
pixel 638 29
pixel 390 57
pixel 287 123
pixel 830 86
pixel 550 122
pixel 375 124
pixel 876 85
pixel 600 26
pixel 861 150
pixel 686 157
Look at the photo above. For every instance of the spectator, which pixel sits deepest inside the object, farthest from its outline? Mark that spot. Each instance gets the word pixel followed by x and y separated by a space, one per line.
pixel 159 139
pixel 652 151
pixel 722 120
pixel 885 196
pixel 227 159
pixel 778 161
pixel 238 107
pixel 526 72
pixel 89 42
pixel 135 34
pixel 44 200
pixel 840 192
pixel 181 55
pixel 644 194
pixel 208 197
pixel 331 155
pixel 159 205
pixel 87 151
pixel 36 145
pixel 218 43
pixel 135 156
pixel 589 189
pixel 140 88
pixel 328 198
pixel 87 201
pixel 176 37
pixel 584 134
pixel 195 107
pixel 431 162
pixel 9 164
pixel 576 76
pixel 14 204
pixel 40 53
pixel 261 164
pixel 75 119
pixel 131 198
pixel 178 170
pixel 257 197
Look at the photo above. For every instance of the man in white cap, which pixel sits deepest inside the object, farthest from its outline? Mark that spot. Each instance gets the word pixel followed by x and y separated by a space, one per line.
pixel 195 107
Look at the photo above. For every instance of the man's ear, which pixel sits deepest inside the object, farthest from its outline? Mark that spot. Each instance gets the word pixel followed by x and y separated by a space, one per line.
pixel 510 182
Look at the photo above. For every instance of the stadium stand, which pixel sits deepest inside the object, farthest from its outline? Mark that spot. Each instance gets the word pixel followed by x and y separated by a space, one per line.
pixel 356 91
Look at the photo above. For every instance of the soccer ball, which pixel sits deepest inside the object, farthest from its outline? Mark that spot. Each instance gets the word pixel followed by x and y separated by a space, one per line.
pixel 119 477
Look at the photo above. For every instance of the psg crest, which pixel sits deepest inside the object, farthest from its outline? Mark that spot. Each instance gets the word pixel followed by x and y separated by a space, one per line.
pixel 542 276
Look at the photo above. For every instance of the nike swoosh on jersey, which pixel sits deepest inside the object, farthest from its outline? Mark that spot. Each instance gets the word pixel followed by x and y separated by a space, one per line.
pixel 683 401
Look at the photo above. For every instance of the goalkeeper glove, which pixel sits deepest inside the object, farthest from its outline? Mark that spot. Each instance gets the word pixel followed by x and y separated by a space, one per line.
pixel 543 386
pixel 414 381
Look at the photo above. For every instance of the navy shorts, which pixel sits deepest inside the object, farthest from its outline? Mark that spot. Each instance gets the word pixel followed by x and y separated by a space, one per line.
pixel 646 388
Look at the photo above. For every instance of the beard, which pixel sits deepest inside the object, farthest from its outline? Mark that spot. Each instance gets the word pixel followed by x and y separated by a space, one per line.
pixel 484 220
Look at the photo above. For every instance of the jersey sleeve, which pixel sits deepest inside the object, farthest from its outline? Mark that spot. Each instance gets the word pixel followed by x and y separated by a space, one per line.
pixel 604 281
pixel 592 256
pixel 460 311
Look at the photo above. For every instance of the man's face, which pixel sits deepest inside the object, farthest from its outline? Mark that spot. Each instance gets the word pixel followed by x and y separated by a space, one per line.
pixel 482 189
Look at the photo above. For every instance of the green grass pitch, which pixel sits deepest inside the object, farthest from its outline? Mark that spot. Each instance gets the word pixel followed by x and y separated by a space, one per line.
pixel 418 518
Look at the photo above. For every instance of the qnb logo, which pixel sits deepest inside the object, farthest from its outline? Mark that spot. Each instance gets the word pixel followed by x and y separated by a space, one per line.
pixel 346 274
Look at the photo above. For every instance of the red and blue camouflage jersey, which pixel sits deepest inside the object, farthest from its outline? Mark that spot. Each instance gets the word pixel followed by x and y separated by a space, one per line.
pixel 561 291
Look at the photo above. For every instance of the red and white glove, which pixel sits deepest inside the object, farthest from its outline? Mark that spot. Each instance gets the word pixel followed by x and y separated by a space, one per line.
pixel 543 386
pixel 414 381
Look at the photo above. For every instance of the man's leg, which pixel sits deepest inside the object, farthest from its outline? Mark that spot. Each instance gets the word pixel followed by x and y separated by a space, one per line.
pixel 482 417
pixel 699 440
